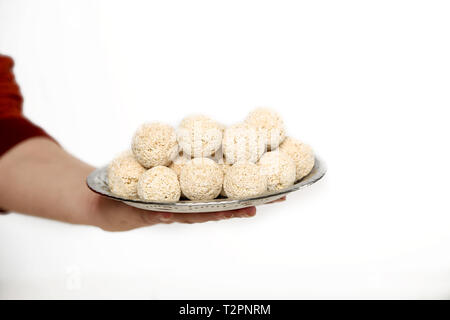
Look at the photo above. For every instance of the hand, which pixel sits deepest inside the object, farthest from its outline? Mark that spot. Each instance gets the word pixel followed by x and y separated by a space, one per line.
pixel 112 215
pixel 278 200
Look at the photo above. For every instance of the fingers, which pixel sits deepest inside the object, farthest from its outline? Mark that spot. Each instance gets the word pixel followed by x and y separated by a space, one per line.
pixel 115 216
pixel 279 200
pixel 112 215
pixel 168 217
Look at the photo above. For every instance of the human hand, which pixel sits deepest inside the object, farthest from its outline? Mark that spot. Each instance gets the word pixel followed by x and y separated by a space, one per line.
pixel 278 200
pixel 111 215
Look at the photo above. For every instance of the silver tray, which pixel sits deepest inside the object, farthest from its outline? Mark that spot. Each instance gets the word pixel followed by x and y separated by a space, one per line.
pixel 97 182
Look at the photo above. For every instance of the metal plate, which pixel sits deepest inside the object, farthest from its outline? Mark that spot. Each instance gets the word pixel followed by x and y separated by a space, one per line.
pixel 97 182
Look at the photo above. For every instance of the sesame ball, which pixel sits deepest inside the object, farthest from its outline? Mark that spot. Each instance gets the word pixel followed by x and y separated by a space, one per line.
pixel 278 168
pixel 270 123
pixel 201 179
pixel 242 142
pixel 123 175
pixel 154 144
pixel 244 179
pixel 199 136
pixel 301 153
pixel 159 184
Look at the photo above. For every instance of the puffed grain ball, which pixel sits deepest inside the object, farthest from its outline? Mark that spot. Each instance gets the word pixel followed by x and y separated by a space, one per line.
pixel 225 167
pixel 199 136
pixel 278 168
pixel 242 142
pixel 244 179
pixel 201 179
pixel 217 156
pixel 270 122
pixel 159 184
pixel 301 153
pixel 154 144
pixel 178 164
pixel 123 175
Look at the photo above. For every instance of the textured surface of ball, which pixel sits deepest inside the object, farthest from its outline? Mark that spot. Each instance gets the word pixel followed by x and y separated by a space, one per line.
pixel 225 167
pixel 242 142
pixel 270 123
pixel 201 179
pixel 301 153
pixel 178 164
pixel 279 170
pixel 159 184
pixel 123 175
pixel 243 180
pixel 199 136
pixel 154 144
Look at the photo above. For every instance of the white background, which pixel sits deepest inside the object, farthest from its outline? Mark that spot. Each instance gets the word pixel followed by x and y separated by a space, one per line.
pixel 366 83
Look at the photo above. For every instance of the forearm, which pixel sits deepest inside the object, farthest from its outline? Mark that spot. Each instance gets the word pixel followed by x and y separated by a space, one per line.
pixel 37 177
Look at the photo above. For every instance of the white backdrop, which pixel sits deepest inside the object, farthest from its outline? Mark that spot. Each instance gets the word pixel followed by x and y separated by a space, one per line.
pixel 366 83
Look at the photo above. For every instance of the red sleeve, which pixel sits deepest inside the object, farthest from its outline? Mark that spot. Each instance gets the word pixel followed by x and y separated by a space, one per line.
pixel 14 127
